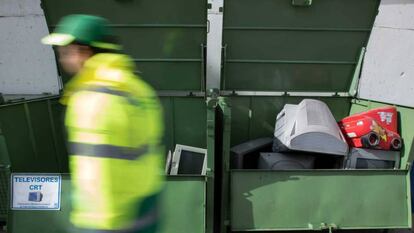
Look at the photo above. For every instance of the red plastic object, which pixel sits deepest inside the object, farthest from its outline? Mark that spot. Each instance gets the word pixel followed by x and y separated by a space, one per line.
pixel 376 129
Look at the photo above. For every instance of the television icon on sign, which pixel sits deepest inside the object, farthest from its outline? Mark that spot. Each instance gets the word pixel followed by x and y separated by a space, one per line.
pixel 35 196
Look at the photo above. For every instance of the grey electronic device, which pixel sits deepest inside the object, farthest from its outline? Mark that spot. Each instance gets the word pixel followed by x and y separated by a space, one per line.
pixel 361 158
pixel 282 161
pixel 188 160
pixel 168 163
pixel 245 155
pixel 309 127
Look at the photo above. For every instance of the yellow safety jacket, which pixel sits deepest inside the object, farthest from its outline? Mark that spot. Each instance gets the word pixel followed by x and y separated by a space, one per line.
pixel 114 123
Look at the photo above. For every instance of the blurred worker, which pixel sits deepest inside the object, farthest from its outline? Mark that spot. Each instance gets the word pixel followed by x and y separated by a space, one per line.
pixel 114 124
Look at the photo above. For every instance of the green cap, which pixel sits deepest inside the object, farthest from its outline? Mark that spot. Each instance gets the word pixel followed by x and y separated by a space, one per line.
pixel 86 29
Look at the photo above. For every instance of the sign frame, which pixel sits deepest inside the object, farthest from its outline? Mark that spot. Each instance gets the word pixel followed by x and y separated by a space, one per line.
pixel 12 175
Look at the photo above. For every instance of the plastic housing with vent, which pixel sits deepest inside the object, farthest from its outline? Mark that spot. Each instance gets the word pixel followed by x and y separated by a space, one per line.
pixel 310 127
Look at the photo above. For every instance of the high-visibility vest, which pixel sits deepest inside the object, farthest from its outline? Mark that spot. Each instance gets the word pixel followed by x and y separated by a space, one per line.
pixel 114 123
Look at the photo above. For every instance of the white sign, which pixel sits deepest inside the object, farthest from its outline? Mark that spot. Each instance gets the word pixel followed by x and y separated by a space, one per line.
pixel 35 191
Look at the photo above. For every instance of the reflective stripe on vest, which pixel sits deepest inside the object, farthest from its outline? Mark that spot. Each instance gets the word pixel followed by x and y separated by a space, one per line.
pixel 110 91
pixel 107 151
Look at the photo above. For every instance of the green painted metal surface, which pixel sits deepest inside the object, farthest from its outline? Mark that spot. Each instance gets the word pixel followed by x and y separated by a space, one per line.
pixel 164 37
pixel 4 181
pixel 275 46
pixel 34 131
pixel 212 173
pixel 34 134
pixel 271 46
pixel 4 152
pixel 4 192
pixel 305 200
pixel 224 109
pixel 285 77
pixel 185 121
pixel 406 126
pixel 260 200
pixel 254 117
pixel 353 88
pixel 183 210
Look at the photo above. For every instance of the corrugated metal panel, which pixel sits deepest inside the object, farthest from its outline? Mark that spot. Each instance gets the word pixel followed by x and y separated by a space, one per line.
pixel 166 40
pixel 34 131
pixel 274 46
pixel 164 37
pixel 34 135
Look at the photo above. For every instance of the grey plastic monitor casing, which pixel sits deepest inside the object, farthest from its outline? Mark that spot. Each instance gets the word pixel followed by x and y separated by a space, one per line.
pixel 310 127
pixel 175 162
pixel 242 153
pixel 382 155
pixel 284 161
pixel 168 162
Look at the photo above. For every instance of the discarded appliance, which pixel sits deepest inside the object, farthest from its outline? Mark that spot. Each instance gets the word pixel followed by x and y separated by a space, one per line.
pixel 361 158
pixel 188 160
pixel 376 129
pixel 246 155
pixel 281 161
pixel 309 127
pixel 168 163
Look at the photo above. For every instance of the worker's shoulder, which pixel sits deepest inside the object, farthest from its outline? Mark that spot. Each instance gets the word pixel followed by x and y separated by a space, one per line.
pixel 92 101
pixel 140 88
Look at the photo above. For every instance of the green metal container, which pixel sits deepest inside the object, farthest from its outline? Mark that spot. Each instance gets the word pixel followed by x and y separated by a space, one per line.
pixel 274 52
pixel 167 40
pixel 317 200
pixel 260 200
pixel 278 53
pixel 34 134
pixel 4 193
pixel 182 195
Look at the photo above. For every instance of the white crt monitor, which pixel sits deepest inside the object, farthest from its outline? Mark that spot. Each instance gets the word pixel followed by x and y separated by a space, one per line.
pixel 309 127
pixel 188 160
